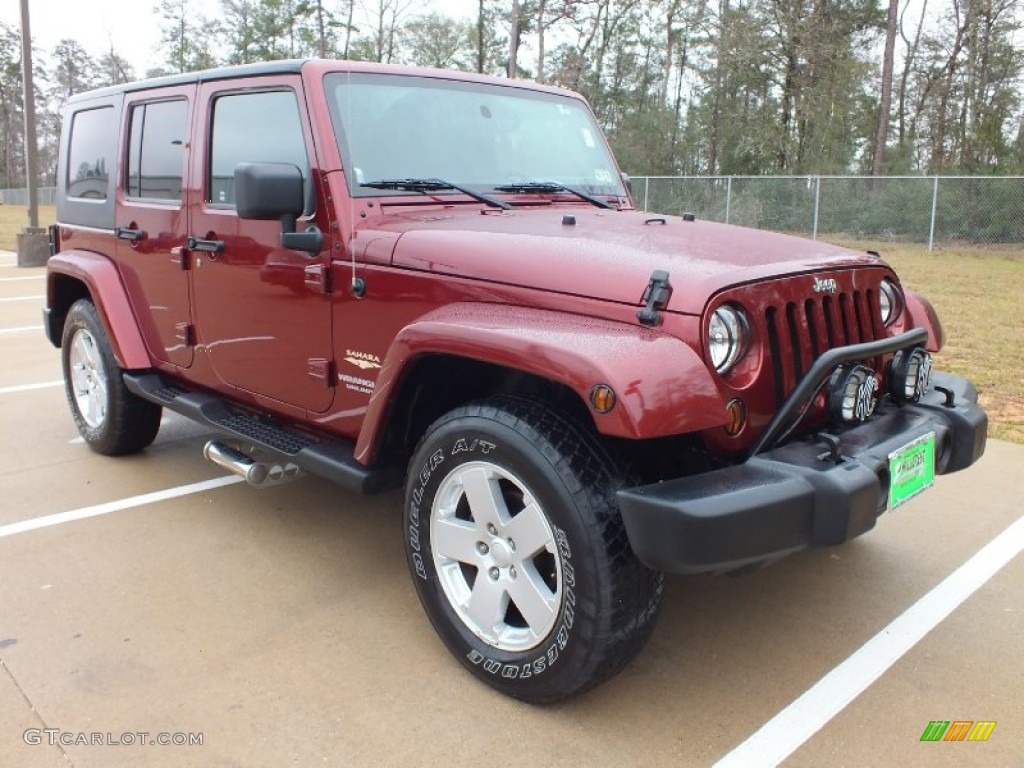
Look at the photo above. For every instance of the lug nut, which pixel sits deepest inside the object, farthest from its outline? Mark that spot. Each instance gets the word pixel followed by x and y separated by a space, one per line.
pixel 512 571
pixel 482 548
pixel 491 529
pixel 512 545
pixel 494 574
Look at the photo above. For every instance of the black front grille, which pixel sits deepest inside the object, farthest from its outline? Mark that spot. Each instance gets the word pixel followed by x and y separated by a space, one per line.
pixel 797 334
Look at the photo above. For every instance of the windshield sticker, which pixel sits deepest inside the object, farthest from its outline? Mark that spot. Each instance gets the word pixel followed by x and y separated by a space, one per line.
pixel 588 138
pixel 603 176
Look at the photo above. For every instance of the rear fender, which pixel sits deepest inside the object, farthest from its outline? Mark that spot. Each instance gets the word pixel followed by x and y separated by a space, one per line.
pixel 103 285
pixel 662 387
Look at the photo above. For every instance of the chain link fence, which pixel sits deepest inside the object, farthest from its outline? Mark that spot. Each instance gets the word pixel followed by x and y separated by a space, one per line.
pixel 936 210
pixel 47 196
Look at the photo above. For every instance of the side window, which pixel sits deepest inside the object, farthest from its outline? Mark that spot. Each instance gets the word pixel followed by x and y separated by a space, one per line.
pixel 91 153
pixel 253 128
pixel 156 149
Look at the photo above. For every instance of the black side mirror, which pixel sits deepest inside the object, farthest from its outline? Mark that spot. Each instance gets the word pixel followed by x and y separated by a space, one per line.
pixel 266 191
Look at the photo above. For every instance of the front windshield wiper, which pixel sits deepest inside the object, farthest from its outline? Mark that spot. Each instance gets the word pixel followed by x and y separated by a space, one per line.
pixel 434 185
pixel 551 186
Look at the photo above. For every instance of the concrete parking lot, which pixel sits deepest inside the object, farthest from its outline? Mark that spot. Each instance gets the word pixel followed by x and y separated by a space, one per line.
pixel 280 627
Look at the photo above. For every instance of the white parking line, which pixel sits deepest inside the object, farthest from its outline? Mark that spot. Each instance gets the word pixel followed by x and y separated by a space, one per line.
pixel 23 298
pixel 22 329
pixel 27 387
pixel 18 279
pixel 787 731
pixel 116 506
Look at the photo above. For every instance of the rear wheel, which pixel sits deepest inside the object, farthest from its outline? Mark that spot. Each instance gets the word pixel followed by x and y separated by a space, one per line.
pixel 519 554
pixel 109 417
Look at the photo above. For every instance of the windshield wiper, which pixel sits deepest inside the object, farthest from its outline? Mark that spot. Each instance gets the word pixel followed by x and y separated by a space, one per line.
pixel 426 186
pixel 552 186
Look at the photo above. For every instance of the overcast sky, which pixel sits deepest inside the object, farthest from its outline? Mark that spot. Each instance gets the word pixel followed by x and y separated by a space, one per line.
pixel 133 26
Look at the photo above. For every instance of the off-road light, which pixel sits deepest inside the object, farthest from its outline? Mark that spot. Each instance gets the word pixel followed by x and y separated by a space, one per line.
pixel 602 398
pixel 736 416
pixel 728 337
pixel 910 374
pixel 889 299
pixel 851 393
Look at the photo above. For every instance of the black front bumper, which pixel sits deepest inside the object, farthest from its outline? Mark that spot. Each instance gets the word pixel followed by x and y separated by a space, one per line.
pixel 797 496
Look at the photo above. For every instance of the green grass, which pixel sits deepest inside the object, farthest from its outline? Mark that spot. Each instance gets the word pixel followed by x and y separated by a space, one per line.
pixel 978 293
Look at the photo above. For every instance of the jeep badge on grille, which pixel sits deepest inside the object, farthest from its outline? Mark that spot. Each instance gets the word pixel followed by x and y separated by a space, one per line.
pixel 826 285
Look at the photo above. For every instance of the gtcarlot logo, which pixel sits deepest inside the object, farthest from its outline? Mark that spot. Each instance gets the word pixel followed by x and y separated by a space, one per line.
pixel 958 730
pixel 55 736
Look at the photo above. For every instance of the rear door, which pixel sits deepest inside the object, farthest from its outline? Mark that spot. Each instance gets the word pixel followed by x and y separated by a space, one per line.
pixel 262 312
pixel 151 218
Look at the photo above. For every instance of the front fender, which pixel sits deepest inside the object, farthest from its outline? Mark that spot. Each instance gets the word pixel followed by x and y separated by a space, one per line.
pixel 662 386
pixel 923 315
pixel 103 284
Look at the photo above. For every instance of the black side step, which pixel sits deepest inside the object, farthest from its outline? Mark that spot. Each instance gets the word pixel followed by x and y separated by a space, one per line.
pixel 331 459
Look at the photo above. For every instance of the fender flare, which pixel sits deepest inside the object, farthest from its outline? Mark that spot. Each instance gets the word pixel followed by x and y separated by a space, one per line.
pixel 923 315
pixel 662 386
pixel 101 279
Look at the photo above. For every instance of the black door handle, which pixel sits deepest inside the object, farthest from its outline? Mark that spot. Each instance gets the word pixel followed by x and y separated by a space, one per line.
pixel 124 233
pixel 209 246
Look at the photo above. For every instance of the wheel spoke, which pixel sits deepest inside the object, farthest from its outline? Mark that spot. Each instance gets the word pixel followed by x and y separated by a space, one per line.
pixel 80 350
pixel 530 531
pixel 532 597
pixel 456 539
pixel 484 496
pixel 487 604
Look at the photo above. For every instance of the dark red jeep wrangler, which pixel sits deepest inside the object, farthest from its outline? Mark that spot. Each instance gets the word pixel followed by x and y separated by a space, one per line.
pixel 383 276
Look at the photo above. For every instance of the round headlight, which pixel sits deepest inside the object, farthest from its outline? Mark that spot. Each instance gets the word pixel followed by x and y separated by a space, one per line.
pixel 889 298
pixel 728 334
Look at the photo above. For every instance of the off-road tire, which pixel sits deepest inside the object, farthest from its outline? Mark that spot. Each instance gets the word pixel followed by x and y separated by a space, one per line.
pixel 121 422
pixel 607 600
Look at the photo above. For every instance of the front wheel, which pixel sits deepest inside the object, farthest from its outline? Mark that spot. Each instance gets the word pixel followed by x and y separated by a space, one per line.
pixel 111 419
pixel 519 554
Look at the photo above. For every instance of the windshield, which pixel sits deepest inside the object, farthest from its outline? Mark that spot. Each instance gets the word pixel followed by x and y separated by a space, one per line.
pixel 471 134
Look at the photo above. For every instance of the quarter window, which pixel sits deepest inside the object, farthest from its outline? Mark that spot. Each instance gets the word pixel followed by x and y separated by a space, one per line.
pixel 91 153
pixel 156 150
pixel 253 128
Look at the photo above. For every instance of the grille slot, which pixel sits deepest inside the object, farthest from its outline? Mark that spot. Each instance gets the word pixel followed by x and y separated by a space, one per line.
pixel 822 323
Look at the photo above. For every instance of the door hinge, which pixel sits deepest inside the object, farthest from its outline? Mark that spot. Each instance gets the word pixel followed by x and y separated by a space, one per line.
pixel 321 370
pixel 179 256
pixel 317 277
pixel 185 333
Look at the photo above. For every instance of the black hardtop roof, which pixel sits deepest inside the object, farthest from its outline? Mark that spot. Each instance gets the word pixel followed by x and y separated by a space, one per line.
pixel 287 66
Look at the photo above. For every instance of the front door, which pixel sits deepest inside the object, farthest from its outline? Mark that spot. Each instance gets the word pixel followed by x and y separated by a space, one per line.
pixel 264 324
pixel 151 226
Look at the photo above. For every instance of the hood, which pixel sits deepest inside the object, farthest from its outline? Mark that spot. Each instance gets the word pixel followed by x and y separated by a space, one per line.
pixel 606 255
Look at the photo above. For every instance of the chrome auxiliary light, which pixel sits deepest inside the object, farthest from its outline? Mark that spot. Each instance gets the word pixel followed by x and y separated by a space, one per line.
pixel 851 393
pixel 910 374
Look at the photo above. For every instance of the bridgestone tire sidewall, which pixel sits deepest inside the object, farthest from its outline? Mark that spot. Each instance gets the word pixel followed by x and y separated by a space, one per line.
pixel 549 670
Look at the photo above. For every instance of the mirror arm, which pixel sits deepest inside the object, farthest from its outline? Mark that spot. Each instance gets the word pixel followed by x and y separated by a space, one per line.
pixel 311 241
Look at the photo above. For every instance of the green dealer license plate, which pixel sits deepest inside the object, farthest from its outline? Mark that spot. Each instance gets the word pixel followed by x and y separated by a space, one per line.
pixel 911 469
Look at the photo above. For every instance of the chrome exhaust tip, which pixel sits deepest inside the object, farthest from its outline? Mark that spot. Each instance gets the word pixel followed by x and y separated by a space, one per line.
pixel 256 473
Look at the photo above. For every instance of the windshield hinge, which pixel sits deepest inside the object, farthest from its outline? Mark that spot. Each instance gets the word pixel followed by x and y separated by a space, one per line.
pixel 317 277
pixel 655 298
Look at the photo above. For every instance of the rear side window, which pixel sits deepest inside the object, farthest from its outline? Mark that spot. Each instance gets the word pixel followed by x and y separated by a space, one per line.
pixel 156 150
pixel 91 153
pixel 253 128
